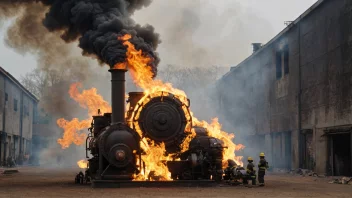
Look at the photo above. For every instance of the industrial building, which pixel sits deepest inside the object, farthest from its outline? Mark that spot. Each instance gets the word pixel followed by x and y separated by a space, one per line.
pixel 292 98
pixel 17 107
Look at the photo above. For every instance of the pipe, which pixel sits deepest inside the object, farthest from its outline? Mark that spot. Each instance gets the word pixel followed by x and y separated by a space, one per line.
pixel 21 127
pixel 4 135
pixel 299 102
pixel 118 95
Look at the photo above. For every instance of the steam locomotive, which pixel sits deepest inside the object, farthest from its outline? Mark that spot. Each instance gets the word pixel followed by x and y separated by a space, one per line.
pixel 114 138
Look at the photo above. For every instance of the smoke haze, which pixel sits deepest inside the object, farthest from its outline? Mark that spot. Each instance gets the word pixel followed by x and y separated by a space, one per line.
pixel 204 33
pixel 50 29
pixel 195 34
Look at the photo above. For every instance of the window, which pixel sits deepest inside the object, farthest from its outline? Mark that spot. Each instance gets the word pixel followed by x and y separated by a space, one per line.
pixel 278 65
pixel 282 60
pixel 6 97
pixel 286 56
pixel 14 104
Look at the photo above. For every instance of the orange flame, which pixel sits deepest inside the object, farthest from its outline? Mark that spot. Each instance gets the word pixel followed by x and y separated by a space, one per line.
pixel 72 132
pixel 120 66
pixel 214 130
pixel 82 164
pixel 154 157
pixel 88 99
pixel 141 72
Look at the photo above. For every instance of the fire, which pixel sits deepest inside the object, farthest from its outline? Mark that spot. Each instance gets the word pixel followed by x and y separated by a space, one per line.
pixel 82 164
pixel 120 66
pixel 154 157
pixel 88 99
pixel 214 130
pixel 153 160
pixel 188 128
pixel 141 72
pixel 72 131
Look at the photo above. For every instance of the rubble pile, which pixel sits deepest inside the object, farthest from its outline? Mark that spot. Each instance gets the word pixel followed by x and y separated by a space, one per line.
pixel 343 180
pixel 304 172
pixel 279 170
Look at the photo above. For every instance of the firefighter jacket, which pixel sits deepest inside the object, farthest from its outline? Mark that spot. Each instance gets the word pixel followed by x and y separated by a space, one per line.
pixel 250 168
pixel 263 165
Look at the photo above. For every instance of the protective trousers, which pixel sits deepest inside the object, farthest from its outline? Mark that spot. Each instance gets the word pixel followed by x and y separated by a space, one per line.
pixel 250 177
pixel 261 174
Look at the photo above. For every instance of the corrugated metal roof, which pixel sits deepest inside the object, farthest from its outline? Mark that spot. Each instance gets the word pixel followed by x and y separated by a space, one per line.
pixel 16 82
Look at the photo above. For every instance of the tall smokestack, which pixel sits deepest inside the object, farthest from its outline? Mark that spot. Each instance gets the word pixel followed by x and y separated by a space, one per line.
pixel 118 95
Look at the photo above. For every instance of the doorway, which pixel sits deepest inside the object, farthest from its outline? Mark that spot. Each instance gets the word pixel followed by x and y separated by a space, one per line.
pixel 341 154
pixel 281 150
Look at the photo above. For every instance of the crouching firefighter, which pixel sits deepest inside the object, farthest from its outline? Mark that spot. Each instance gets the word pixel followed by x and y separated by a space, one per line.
pixel 229 171
pixel 263 165
pixel 250 173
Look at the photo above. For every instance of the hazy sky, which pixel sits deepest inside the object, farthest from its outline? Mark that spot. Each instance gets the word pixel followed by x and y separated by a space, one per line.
pixel 197 32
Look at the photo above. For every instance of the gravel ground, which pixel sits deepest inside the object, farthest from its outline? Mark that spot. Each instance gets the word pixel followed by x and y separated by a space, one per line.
pixel 43 182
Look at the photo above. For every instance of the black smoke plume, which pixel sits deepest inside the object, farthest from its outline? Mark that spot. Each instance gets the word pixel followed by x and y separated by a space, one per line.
pixel 95 23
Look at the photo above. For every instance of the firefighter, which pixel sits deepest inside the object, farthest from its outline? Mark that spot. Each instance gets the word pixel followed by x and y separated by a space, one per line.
pixel 79 178
pixel 229 171
pixel 250 172
pixel 263 165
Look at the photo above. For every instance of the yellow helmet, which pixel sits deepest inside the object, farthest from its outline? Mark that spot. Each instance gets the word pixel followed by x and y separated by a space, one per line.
pixel 250 159
pixel 261 155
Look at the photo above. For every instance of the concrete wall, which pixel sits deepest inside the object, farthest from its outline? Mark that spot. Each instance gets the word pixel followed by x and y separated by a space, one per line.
pixel 16 136
pixel 12 115
pixel 28 107
pixel 258 102
pixel 326 73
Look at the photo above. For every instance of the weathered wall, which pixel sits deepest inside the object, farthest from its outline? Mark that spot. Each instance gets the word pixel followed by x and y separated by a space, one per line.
pixel 326 73
pixel 27 129
pixel 12 114
pixel 18 105
pixel 258 102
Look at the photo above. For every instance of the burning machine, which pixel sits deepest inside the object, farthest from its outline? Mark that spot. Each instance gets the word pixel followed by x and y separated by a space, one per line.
pixel 115 138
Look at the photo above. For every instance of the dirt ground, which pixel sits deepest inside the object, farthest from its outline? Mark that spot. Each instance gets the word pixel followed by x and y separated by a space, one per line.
pixel 43 182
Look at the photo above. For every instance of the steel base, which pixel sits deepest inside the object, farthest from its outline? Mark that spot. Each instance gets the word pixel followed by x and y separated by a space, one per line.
pixel 152 184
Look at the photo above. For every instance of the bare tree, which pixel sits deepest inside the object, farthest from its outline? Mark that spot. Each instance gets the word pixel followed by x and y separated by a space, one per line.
pixel 38 81
pixel 34 82
pixel 51 87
